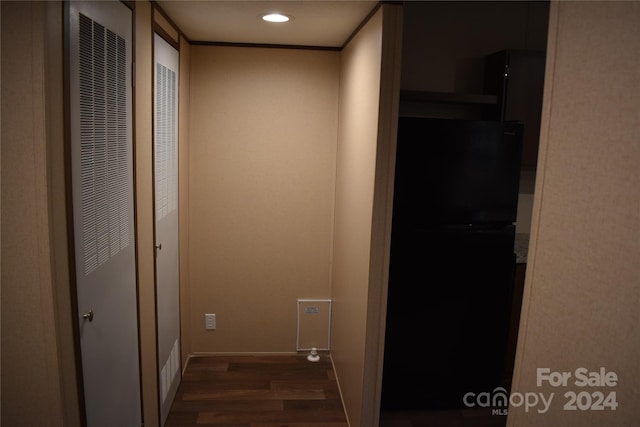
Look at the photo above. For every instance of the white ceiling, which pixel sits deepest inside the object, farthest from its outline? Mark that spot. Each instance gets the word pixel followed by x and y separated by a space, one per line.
pixel 315 23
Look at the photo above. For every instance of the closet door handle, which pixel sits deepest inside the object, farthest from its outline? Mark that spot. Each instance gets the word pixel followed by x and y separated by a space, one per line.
pixel 88 316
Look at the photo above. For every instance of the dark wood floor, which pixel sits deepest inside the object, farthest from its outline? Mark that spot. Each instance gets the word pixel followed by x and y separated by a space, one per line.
pixel 454 418
pixel 463 417
pixel 257 391
pixel 285 391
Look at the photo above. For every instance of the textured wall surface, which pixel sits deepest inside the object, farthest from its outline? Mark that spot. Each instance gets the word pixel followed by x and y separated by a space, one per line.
pixel 262 148
pixel 582 289
pixel 31 380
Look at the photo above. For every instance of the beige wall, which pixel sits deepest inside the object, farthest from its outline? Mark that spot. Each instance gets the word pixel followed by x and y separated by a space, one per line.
pixel 37 386
pixel 64 306
pixel 364 186
pixel 262 147
pixel 582 289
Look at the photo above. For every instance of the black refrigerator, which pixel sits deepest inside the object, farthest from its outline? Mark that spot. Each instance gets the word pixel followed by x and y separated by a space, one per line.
pixel 452 261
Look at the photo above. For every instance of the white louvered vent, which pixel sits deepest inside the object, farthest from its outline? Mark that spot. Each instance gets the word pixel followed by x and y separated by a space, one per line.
pixel 103 143
pixel 166 142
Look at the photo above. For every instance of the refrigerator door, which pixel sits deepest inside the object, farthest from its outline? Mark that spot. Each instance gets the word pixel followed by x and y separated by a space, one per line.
pixel 456 172
pixel 447 315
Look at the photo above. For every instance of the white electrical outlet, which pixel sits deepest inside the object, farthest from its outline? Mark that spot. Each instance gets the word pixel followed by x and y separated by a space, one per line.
pixel 210 322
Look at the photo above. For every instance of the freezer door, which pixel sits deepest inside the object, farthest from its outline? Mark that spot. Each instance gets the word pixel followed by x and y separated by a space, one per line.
pixel 448 311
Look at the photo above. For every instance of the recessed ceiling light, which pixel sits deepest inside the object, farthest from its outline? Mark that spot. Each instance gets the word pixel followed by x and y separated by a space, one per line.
pixel 275 17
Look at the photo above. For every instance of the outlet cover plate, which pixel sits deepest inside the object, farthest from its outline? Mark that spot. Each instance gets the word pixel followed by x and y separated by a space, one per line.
pixel 210 322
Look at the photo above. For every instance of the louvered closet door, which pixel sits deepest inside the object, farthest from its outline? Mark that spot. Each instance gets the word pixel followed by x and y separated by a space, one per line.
pixel 100 49
pixel 165 144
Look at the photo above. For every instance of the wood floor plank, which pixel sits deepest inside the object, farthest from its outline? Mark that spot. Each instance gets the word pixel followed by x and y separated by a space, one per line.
pixel 207 383
pixel 271 416
pixel 221 367
pixel 307 424
pixel 196 406
pixel 468 417
pixel 330 389
pixel 258 395
pixel 312 405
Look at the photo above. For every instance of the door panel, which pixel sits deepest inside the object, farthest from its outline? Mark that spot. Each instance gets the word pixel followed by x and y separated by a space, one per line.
pixel 100 57
pixel 166 210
